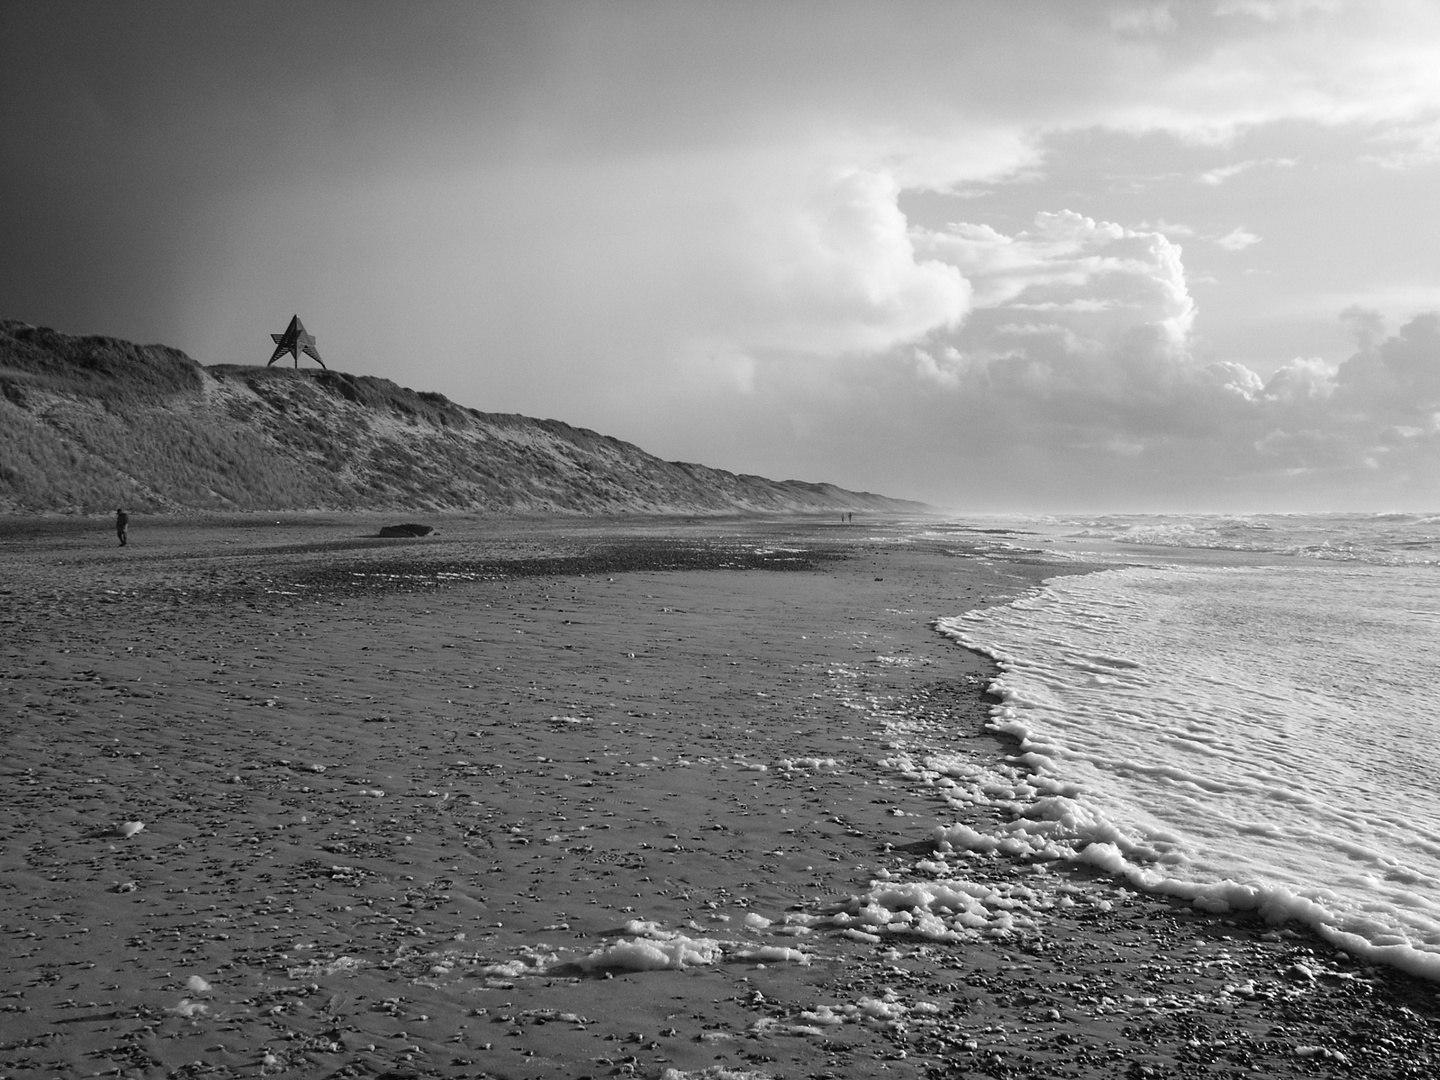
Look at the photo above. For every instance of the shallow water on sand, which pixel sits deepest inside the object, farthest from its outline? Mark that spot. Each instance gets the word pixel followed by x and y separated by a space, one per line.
pixel 1248 737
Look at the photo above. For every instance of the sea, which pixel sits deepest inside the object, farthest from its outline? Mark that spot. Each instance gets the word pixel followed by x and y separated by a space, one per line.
pixel 1239 711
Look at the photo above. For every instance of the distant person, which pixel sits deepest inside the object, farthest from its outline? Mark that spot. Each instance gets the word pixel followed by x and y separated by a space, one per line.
pixel 122 519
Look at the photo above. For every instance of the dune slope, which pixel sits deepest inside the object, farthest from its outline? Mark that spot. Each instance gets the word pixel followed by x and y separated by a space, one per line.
pixel 90 423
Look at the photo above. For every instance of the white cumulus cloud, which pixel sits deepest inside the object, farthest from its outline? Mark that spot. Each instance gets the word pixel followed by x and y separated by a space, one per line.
pixel 1096 273
pixel 837 272
pixel 1219 175
pixel 1237 239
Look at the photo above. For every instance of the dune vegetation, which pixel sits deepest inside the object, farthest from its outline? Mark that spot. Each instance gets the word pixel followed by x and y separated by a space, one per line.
pixel 91 423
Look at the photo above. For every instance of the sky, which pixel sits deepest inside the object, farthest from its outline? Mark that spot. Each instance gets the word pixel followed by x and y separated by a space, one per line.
pixel 1064 256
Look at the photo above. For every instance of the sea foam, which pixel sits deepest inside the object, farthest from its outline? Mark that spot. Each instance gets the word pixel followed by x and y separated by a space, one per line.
pixel 1254 738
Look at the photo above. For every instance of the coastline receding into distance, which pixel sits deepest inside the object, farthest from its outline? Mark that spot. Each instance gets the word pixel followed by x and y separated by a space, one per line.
pixel 609 797
pixel 734 601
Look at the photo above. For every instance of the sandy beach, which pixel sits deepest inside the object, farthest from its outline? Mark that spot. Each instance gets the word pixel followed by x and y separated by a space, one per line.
pixel 550 798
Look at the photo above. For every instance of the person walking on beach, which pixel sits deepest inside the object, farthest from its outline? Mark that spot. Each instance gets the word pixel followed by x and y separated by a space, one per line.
pixel 122 519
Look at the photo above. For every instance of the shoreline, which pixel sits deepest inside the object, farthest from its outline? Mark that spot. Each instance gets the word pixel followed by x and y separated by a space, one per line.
pixel 640 767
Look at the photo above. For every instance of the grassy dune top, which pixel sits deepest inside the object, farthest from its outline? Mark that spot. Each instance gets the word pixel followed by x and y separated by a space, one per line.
pixel 91 423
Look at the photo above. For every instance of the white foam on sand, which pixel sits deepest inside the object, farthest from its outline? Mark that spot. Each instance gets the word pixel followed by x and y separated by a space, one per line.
pixel 639 945
pixel 1245 739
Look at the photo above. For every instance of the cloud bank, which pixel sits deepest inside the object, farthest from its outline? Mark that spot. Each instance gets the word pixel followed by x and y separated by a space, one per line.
pixel 1078 352
pixel 898 250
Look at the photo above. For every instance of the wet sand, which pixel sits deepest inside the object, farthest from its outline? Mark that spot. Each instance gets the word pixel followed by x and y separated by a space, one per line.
pixel 550 798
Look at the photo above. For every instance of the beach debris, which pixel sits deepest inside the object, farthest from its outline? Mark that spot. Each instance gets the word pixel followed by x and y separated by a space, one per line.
pixel 952 910
pixel 127 829
pixel 772 954
pixel 822 1016
pixel 530 961
pixel 329 965
pixel 410 529
pixel 295 340
pixel 650 947
pixel 806 765
pixel 673 951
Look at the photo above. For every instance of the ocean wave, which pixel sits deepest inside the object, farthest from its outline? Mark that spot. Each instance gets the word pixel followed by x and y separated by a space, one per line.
pixel 1240 738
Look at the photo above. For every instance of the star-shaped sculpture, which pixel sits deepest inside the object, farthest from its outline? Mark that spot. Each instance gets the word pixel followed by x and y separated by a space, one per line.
pixel 295 340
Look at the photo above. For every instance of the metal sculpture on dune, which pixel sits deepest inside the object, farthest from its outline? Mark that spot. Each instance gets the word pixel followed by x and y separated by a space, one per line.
pixel 295 340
